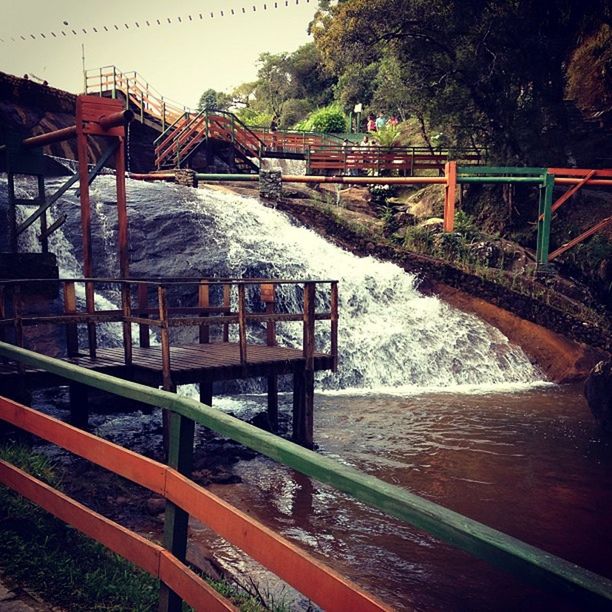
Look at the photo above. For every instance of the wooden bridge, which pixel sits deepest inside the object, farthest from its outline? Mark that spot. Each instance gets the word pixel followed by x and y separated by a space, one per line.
pixel 195 331
pixel 183 131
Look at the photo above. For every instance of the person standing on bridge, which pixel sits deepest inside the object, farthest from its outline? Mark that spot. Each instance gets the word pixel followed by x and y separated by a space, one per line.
pixel 273 130
pixel 371 123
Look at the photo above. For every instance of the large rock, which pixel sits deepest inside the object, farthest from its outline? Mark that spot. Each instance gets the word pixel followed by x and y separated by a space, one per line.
pixel 598 391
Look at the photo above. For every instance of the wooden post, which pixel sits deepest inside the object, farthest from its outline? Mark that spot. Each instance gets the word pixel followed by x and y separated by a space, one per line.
pixel 298 406
pixel 72 335
pixel 309 324
pixel 122 220
pixel 165 338
pixel 79 410
pixel 90 303
pixel 12 213
pixel 242 331
pixel 176 523
pixel 204 302
pixel 206 391
pixel 126 304
pixel 450 173
pixel 44 238
pixel 227 302
pixel 268 296
pixel 143 305
pixel 334 325
pixel 303 380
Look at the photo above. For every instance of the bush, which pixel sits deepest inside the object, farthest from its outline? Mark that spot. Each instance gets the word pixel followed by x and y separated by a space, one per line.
pixel 254 118
pixel 329 120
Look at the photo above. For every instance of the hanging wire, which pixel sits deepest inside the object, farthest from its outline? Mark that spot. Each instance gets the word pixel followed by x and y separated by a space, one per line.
pixel 180 20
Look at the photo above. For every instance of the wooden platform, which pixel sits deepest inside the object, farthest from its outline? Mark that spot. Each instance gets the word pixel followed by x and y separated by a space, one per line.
pixel 190 363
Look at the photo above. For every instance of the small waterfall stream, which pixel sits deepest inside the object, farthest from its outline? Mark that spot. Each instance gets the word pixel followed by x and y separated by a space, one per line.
pixel 392 338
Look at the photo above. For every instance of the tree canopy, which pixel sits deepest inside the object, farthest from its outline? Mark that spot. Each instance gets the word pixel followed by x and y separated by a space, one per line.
pixel 482 69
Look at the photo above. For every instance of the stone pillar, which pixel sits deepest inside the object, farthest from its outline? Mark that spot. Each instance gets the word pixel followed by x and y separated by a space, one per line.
pixel 270 185
pixel 186 177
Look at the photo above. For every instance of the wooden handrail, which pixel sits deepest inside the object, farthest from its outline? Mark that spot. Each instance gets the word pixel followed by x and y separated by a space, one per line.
pixel 314 579
pixel 150 557
pixel 528 562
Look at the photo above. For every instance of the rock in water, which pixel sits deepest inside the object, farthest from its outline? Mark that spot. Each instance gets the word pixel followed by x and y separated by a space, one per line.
pixel 598 392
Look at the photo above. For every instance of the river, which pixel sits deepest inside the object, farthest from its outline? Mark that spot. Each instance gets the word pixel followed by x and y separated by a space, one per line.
pixel 530 463
pixel 427 398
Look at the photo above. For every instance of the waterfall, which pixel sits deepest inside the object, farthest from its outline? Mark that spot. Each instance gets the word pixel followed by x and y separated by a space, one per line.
pixel 392 338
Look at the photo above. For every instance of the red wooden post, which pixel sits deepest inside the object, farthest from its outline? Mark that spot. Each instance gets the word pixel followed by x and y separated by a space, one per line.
pixel 450 173
pixel 122 209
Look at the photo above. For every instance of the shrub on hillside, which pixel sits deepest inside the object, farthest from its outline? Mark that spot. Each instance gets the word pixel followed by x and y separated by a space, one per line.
pixel 329 120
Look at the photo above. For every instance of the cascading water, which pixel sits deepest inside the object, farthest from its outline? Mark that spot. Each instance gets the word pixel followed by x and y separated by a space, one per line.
pixel 391 337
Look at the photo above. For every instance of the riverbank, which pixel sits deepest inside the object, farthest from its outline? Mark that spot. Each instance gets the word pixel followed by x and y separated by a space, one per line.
pixel 560 334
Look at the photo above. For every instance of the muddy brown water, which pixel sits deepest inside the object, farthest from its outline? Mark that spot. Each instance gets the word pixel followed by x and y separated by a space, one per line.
pixel 530 463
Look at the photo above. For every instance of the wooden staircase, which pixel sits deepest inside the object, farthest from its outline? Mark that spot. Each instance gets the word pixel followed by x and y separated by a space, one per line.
pixel 183 132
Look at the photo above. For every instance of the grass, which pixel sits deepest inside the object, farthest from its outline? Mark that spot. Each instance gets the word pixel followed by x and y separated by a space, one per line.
pixel 70 570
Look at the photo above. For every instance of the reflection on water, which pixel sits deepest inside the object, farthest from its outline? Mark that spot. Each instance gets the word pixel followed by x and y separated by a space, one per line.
pixel 531 464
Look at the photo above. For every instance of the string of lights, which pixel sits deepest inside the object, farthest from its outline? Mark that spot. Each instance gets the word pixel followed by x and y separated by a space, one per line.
pixel 69 31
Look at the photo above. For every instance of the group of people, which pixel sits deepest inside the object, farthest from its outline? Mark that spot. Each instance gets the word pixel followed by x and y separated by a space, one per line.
pixel 375 124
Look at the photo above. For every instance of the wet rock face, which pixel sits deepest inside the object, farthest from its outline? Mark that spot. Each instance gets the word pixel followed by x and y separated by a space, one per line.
pixel 598 392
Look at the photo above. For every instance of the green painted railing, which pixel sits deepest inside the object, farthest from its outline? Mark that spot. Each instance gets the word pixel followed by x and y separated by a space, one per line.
pixel 528 562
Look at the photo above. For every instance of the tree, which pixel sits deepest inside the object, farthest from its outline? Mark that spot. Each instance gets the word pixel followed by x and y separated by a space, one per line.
pixel 487 67
pixel 275 83
pixel 214 100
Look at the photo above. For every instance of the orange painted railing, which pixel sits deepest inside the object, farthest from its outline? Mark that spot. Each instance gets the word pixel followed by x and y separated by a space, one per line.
pixel 314 579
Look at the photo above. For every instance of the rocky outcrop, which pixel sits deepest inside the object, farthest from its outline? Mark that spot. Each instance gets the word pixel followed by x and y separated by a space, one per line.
pixel 598 392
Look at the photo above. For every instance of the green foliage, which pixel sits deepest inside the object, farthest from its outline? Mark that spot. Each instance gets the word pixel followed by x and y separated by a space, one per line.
pixel 388 136
pixel 329 120
pixel 496 69
pixel 253 117
pixel 214 100
pixel 294 111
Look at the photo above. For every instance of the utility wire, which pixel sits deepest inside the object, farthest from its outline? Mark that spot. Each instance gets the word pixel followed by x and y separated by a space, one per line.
pixel 181 19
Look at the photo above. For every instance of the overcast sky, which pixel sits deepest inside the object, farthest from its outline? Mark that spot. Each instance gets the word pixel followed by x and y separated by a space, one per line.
pixel 179 59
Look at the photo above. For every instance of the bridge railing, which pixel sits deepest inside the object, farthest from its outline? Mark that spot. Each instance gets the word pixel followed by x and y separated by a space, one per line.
pixel 218 307
pixel 314 579
pixel 511 554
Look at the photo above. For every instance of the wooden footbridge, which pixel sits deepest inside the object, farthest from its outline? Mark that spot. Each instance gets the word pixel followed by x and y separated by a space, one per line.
pixel 189 331
pixel 183 131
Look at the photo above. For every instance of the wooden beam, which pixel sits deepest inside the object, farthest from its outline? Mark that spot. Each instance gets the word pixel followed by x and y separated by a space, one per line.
pixel 572 243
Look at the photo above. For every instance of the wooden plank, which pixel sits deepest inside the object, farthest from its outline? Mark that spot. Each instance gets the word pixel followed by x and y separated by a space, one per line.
pixel 117 459
pixel 120 540
pixel 309 324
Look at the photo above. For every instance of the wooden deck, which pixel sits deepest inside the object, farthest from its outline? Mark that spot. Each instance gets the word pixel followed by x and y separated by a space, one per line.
pixel 190 363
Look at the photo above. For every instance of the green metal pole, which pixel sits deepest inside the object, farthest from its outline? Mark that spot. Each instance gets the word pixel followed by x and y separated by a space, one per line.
pixel 544 219
pixel 180 457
